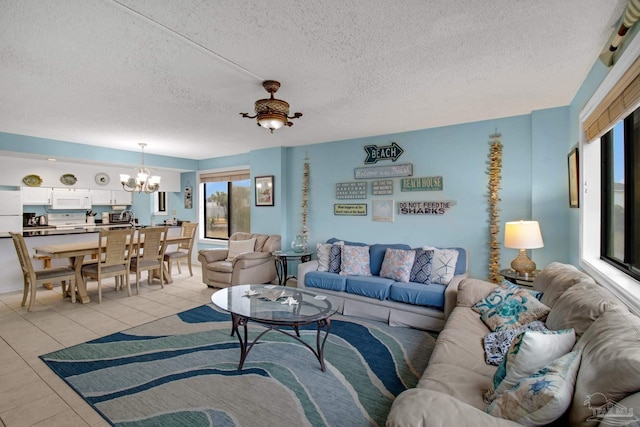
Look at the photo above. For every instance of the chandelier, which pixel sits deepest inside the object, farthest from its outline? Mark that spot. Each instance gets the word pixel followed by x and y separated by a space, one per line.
pixel 272 113
pixel 143 181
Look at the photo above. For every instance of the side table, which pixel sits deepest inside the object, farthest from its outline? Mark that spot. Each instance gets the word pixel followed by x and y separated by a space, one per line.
pixel 282 267
pixel 519 279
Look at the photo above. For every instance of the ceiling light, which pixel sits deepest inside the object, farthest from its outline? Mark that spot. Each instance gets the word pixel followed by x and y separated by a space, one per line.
pixel 143 181
pixel 272 113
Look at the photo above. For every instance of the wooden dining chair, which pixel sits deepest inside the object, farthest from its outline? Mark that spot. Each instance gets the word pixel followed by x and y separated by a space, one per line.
pixel 33 278
pixel 184 249
pixel 114 259
pixel 152 243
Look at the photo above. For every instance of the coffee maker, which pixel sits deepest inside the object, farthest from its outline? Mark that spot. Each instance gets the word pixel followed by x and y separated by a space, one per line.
pixel 29 219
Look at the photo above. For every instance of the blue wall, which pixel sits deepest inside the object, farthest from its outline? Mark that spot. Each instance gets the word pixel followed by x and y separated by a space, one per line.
pixel 459 154
pixel 533 185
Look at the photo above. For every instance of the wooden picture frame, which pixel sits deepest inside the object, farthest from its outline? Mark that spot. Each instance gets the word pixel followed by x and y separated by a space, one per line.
pixel 264 189
pixel 574 177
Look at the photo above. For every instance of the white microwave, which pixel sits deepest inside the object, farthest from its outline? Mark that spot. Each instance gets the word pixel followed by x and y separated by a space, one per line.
pixel 71 199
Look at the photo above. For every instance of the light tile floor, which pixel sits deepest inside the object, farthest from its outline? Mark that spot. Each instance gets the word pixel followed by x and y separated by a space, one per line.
pixel 30 393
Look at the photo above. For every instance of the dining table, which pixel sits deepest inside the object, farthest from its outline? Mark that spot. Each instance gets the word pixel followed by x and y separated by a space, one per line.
pixel 77 251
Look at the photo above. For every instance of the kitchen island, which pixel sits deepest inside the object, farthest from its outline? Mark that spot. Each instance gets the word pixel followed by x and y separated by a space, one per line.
pixel 53 231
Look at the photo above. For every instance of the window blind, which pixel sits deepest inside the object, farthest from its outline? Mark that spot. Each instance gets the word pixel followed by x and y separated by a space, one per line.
pixel 620 101
pixel 225 176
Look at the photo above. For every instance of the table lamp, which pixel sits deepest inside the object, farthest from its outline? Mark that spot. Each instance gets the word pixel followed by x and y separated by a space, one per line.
pixel 523 235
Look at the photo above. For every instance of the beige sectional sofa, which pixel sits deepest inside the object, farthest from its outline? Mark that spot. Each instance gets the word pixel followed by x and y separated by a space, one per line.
pixel 450 392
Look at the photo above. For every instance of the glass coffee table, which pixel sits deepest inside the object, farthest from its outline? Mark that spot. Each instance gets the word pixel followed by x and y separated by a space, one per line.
pixel 276 307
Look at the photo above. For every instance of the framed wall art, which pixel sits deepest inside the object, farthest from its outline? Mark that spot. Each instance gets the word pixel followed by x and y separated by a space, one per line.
pixel 574 176
pixel 351 190
pixel 350 209
pixel 264 190
pixel 382 210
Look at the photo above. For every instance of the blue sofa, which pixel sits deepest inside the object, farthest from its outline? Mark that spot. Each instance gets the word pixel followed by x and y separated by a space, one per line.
pixel 418 305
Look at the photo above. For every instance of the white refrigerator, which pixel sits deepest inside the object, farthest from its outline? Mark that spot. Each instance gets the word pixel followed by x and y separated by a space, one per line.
pixel 10 212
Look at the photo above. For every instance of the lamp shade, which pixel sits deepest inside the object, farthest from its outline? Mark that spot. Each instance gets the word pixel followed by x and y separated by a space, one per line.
pixel 523 235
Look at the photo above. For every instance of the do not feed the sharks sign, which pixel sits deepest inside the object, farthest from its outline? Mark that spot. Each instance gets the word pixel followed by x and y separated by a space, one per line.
pixel 387 152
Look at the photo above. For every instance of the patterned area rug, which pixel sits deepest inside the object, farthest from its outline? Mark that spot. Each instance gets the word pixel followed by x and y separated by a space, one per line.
pixel 182 371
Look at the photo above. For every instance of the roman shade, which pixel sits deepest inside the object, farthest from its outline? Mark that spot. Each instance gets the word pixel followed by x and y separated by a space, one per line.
pixel 225 176
pixel 623 98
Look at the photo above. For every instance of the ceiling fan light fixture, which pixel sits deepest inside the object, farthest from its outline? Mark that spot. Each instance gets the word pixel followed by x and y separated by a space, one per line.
pixel 270 121
pixel 272 113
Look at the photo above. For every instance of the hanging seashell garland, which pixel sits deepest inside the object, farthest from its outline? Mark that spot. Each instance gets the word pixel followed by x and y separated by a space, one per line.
pixel 495 176
pixel 305 202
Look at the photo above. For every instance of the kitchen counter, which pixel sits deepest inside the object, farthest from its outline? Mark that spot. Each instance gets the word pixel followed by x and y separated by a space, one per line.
pixel 53 231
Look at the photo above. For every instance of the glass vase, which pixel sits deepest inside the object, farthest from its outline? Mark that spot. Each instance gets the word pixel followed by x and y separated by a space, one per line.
pixel 298 244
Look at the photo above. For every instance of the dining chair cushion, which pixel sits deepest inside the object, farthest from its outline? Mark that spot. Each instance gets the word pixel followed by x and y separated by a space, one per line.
pixel 93 268
pixel 135 262
pixel 53 273
pixel 175 255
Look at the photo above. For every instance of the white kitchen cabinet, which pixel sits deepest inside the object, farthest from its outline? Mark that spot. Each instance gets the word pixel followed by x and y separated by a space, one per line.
pixel 111 197
pixel 100 197
pixel 121 197
pixel 36 195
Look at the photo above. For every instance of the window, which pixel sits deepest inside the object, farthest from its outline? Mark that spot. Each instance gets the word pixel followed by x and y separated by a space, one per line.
pixel 617 97
pixel 226 203
pixel 620 233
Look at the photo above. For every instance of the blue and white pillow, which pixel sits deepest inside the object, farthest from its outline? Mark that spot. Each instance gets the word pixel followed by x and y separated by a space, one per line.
pixel 543 396
pixel 529 352
pixel 335 257
pixel 509 306
pixel 443 264
pixel 517 310
pixel 496 297
pixel 421 270
pixel 496 344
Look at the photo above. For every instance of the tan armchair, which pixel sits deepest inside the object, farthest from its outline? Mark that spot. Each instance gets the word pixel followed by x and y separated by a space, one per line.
pixel 258 266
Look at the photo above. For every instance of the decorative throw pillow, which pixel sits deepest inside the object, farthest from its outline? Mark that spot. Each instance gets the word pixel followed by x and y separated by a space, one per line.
pixel 323 251
pixel 541 397
pixel 443 264
pixel 354 261
pixel 529 352
pixel 517 310
pixel 421 270
pixel 237 247
pixel 397 264
pixel 496 297
pixel 335 257
pixel 496 344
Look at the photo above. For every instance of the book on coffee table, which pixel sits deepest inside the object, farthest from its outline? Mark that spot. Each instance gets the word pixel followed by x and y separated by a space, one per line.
pixel 273 294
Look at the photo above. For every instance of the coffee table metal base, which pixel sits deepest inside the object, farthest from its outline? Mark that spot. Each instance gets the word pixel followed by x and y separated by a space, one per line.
pixel 238 321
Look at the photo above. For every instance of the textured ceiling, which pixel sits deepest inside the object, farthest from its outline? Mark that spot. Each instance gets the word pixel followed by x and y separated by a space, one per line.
pixel 175 74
